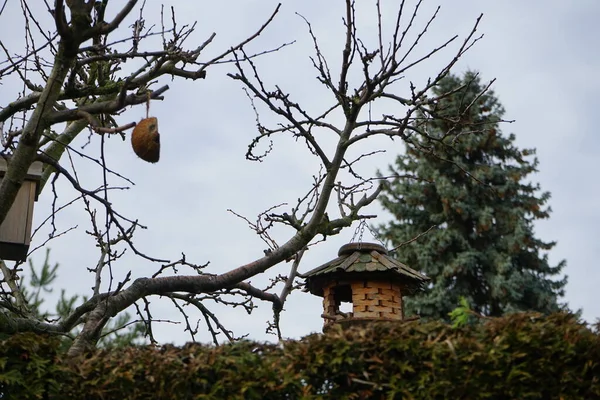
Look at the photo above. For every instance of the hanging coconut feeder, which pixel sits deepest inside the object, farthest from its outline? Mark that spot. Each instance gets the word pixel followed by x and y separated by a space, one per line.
pixel 366 276
pixel 145 140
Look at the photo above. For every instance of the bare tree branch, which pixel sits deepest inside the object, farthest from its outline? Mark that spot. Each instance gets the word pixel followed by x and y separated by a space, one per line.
pixel 86 86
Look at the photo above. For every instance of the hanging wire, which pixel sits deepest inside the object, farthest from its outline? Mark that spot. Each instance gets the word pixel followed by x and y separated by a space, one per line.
pixel 375 234
pixel 360 230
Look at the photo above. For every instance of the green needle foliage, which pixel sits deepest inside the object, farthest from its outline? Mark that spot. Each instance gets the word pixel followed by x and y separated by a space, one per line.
pixel 472 193
pixel 460 315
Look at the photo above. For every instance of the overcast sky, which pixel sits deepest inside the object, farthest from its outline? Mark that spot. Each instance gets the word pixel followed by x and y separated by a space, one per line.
pixel 542 53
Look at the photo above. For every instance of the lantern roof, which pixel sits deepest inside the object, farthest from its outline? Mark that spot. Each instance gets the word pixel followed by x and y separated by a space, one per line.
pixel 361 260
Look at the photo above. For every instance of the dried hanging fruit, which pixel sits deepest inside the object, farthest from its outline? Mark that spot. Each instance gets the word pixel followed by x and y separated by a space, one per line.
pixel 145 140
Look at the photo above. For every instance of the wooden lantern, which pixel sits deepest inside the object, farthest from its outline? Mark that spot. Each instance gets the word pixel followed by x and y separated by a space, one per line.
pixel 364 275
pixel 15 231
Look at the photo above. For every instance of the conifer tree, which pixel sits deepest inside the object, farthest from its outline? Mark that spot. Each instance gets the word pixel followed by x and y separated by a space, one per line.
pixel 473 194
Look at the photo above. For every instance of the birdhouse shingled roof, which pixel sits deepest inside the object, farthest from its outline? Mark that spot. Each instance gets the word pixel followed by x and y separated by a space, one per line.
pixel 364 259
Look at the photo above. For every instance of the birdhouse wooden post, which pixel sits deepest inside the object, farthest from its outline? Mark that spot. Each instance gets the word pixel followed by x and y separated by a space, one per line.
pixel 364 275
pixel 15 231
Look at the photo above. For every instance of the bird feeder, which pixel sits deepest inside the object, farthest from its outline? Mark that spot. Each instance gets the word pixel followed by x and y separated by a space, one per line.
pixel 366 276
pixel 15 231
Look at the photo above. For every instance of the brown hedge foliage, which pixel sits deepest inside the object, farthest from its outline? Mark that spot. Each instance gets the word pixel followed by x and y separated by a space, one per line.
pixel 523 356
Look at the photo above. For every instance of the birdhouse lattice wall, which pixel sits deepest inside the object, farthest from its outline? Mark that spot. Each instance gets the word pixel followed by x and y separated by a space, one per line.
pixel 369 298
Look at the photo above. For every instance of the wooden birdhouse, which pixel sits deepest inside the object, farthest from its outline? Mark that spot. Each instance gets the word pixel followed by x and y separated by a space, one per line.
pixel 364 275
pixel 15 231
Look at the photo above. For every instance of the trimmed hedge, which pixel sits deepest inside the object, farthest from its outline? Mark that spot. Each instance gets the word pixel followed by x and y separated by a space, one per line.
pixel 523 356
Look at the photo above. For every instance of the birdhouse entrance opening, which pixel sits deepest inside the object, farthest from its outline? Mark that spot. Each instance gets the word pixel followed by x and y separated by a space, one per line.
pixel 342 294
pixel 343 297
pixel 337 302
